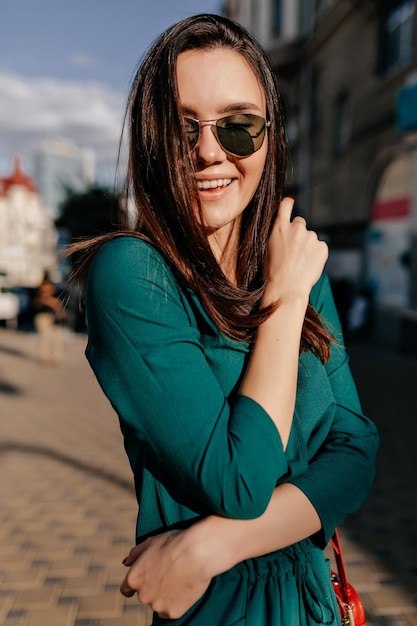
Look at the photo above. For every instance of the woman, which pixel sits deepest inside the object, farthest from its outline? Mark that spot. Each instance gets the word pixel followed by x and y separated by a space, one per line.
pixel 213 333
pixel 49 313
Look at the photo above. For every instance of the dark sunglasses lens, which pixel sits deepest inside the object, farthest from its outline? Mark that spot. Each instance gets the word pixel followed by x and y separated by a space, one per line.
pixel 192 128
pixel 241 134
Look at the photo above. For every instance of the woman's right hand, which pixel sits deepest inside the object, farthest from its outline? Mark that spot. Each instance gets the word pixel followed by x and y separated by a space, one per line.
pixel 295 257
pixel 168 572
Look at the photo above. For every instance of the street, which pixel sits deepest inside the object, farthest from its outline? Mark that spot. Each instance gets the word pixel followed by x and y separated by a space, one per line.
pixel 67 508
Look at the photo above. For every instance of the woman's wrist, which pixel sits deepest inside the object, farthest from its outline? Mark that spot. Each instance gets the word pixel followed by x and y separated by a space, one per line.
pixel 212 546
pixel 294 295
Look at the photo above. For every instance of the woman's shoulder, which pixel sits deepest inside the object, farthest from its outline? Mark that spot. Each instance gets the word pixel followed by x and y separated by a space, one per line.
pixel 127 257
pixel 127 252
pixel 127 247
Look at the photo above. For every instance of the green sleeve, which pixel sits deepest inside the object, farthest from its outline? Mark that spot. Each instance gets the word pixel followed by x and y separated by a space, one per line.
pixel 148 359
pixel 341 473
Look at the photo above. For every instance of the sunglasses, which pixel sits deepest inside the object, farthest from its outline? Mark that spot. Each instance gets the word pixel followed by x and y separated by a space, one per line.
pixel 241 134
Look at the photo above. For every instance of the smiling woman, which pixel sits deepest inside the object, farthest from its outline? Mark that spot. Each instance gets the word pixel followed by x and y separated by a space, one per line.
pixel 226 180
pixel 213 332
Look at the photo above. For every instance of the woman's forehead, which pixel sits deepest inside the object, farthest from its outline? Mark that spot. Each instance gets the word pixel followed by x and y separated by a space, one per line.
pixel 218 77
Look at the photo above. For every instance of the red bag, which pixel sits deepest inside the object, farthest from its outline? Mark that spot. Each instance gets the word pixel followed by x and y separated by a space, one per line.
pixel 352 612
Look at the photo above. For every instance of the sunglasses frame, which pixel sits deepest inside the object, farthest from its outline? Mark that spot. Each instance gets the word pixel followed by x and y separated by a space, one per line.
pixel 215 127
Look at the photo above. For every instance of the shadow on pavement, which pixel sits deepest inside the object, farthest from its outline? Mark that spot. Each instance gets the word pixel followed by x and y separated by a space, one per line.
pixel 100 472
pixel 386 526
pixel 9 389
pixel 14 352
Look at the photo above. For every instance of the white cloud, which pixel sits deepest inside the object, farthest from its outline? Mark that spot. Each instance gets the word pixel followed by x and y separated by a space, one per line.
pixel 81 60
pixel 34 110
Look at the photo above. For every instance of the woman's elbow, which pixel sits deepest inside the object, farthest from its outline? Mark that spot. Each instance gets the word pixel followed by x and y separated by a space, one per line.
pixel 244 504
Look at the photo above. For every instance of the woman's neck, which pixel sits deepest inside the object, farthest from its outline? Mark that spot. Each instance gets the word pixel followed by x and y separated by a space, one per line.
pixel 225 249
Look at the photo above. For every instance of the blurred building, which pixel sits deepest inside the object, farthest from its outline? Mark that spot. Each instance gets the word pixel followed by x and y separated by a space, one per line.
pixel 347 70
pixel 27 232
pixel 61 165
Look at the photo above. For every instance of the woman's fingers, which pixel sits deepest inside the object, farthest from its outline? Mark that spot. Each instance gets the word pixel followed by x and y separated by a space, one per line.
pixel 125 590
pixel 296 257
pixel 135 552
pixel 285 210
pixel 133 555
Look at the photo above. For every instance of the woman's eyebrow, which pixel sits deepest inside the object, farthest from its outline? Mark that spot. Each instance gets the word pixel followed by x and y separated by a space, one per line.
pixel 234 107
pixel 240 106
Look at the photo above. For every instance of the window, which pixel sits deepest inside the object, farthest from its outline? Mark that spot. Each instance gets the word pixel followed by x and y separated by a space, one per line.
pixel 397 35
pixel 342 123
pixel 277 16
pixel 308 14
pixel 316 108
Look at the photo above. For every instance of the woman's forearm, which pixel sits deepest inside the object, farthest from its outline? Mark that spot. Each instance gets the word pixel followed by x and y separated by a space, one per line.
pixel 295 262
pixel 220 543
pixel 271 375
pixel 171 571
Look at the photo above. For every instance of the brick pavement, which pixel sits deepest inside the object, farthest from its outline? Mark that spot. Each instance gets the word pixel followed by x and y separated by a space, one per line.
pixel 67 507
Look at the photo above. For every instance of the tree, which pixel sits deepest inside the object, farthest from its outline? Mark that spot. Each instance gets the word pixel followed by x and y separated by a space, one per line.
pixel 88 213
pixel 83 215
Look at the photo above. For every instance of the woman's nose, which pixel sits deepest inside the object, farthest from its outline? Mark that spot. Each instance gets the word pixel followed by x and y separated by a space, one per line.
pixel 208 149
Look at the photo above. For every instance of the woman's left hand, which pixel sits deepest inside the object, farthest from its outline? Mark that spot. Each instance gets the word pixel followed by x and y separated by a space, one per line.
pixel 167 574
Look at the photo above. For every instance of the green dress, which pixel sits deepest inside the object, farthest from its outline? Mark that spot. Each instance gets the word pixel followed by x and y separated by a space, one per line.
pixel 196 446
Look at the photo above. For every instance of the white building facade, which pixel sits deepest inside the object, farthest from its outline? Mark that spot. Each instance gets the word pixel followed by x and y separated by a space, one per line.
pixel 274 22
pixel 27 233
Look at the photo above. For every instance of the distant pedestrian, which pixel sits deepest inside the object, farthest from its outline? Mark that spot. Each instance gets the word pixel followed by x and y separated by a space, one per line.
pixel 49 313
pixel 359 316
pixel 213 332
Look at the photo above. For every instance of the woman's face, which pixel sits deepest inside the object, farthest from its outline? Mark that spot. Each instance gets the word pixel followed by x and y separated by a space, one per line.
pixel 212 84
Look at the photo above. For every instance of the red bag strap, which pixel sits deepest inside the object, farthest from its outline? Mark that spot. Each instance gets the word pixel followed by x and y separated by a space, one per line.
pixel 344 585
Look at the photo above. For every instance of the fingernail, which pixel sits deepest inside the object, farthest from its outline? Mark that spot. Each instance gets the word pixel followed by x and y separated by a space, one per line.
pixel 128 593
pixel 125 560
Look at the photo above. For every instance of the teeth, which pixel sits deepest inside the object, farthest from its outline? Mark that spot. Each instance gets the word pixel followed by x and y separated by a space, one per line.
pixel 213 184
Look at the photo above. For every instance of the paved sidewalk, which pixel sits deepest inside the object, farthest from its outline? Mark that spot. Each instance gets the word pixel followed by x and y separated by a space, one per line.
pixel 67 508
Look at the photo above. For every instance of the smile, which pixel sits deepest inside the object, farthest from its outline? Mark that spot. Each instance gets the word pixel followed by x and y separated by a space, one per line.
pixel 213 184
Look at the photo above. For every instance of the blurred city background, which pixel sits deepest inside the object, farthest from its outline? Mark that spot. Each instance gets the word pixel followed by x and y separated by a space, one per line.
pixel 347 71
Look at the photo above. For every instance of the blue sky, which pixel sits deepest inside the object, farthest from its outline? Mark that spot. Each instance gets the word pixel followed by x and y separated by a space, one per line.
pixel 65 68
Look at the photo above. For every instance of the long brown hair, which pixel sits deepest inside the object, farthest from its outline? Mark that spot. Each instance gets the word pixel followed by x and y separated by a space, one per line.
pixel 161 181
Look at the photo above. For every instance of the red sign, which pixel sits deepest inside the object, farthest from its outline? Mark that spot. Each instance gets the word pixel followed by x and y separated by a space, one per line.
pixel 391 209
